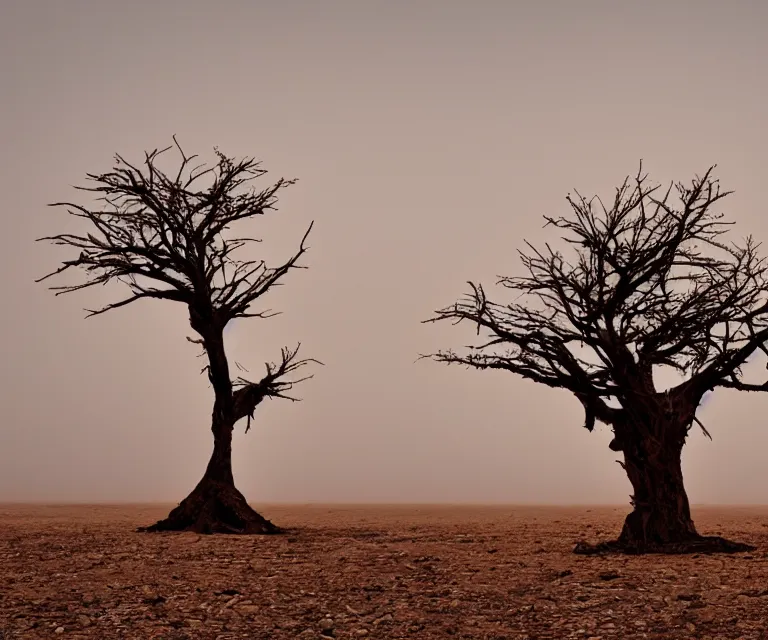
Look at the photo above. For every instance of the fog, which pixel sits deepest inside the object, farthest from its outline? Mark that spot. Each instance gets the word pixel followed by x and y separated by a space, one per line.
pixel 429 138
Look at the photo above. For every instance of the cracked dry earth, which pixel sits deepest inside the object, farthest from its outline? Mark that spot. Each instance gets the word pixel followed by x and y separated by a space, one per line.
pixel 372 572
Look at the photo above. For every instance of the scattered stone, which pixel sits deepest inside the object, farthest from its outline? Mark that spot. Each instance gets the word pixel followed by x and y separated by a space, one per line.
pixel 465 592
pixel 151 597
pixel 387 617
pixel 609 575
pixel 705 615
pixel 248 608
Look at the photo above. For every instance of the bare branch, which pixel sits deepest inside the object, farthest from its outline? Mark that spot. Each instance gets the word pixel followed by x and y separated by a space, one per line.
pixel 152 227
pixel 273 385
pixel 702 427
pixel 648 280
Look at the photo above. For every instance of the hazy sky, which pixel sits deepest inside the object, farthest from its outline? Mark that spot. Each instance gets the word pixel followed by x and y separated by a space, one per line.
pixel 429 138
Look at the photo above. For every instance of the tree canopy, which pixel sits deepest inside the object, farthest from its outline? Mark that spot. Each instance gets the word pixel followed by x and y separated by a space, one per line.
pixel 650 280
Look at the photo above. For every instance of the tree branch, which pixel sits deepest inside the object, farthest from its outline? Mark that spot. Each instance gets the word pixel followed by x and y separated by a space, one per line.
pixel 152 227
pixel 647 281
pixel 273 385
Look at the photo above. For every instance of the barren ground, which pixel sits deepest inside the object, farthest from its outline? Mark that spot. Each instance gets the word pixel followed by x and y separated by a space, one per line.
pixel 372 572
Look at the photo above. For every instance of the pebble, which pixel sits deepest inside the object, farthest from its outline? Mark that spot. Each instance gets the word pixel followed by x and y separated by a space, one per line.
pixel 706 616
pixel 248 608
pixel 59 630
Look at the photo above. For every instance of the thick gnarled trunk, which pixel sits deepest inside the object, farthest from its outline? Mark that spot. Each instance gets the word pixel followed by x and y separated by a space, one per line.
pixel 661 518
pixel 661 512
pixel 215 505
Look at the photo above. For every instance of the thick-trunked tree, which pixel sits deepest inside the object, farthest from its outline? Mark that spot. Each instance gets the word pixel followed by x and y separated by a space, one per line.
pixel 650 281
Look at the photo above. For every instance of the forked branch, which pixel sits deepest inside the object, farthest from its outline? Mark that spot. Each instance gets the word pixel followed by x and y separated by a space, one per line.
pixel 278 381
pixel 648 280
pixel 166 236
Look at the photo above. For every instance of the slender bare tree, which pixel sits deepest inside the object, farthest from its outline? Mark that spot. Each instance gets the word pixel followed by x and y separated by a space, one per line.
pixel 167 237
pixel 648 281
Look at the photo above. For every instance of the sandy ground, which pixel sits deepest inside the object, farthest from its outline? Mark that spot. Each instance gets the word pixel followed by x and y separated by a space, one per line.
pixel 372 572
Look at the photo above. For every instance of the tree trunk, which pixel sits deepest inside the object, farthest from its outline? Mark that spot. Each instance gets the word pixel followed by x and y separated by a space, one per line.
pixel 661 520
pixel 215 505
pixel 661 513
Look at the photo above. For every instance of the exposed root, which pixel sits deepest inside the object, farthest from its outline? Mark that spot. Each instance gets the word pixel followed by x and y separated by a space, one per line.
pixel 699 544
pixel 215 507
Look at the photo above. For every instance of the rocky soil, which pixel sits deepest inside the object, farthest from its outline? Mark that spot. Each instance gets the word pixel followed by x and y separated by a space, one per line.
pixel 372 572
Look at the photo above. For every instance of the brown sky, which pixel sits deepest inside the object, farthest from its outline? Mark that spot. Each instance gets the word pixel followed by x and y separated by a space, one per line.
pixel 429 138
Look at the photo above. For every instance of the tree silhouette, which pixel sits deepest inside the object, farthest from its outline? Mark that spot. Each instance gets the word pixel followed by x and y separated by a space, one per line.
pixel 649 281
pixel 167 237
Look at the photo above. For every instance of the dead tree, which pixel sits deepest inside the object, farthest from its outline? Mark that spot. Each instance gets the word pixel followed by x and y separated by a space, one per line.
pixel 167 237
pixel 649 281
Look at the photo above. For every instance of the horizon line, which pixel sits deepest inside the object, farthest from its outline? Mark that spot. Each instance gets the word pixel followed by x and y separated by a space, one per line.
pixel 377 503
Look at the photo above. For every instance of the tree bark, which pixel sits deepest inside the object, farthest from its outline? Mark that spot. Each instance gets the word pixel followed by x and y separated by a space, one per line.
pixel 215 505
pixel 661 518
pixel 661 514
